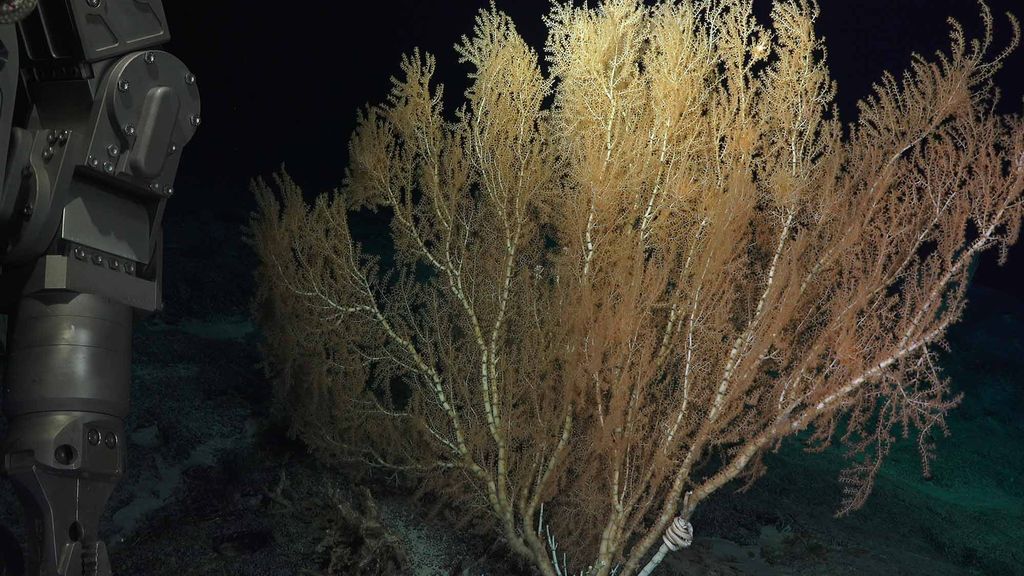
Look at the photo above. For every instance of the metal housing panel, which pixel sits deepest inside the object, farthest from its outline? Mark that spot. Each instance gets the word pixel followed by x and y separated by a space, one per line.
pixel 96 218
pixel 116 27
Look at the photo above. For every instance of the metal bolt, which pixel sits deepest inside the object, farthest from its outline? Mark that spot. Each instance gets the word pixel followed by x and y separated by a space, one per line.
pixel 97 259
pixel 172 149
pixel 94 162
pixel 108 167
pixel 48 153
pixel 27 210
pixel 93 3
pixel 190 78
pixel 114 264
pixel 110 439
pixel 63 137
pixel 94 437
pixel 129 267
pixel 195 119
pixel 129 129
pixel 169 191
pixel 150 57
pixel 113 150
pixel 80 254
pixel 154 186
pixel 123 85
pixel 51 138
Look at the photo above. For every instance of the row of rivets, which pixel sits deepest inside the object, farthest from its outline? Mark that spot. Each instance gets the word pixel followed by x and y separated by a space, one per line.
pixel 52 138
pixel 113 151
pixel 165 190
pixel 94 162
pixel 99 260
pixel 123 85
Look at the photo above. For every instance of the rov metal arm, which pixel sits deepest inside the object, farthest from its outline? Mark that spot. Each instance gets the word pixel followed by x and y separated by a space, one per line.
pixel 97 119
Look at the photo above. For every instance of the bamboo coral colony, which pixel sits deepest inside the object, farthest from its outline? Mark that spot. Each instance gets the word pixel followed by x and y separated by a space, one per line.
pixel 623 282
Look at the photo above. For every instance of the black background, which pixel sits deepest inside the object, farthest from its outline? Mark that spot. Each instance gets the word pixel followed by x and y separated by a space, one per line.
pixel 281 82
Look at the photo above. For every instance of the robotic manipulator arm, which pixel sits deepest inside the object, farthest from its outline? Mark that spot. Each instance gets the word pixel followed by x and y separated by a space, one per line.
pixel 93 120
